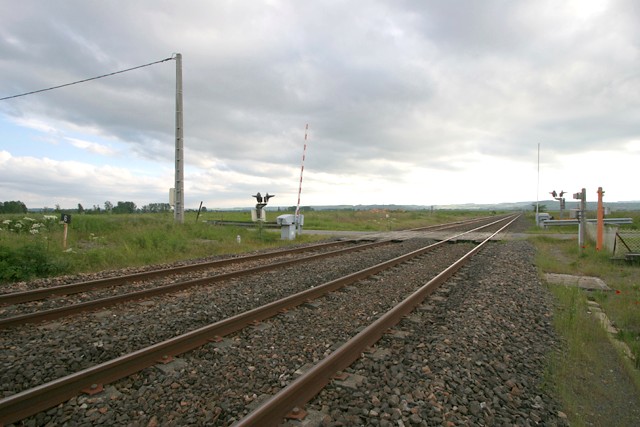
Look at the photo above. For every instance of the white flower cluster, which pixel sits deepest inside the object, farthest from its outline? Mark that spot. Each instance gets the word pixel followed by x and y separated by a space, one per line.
pixel 28 224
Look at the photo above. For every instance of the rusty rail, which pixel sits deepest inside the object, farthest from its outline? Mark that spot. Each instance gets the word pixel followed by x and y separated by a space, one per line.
pixel 56 313
pixel 442 227
pixel 42 397
pixel 305 387
pixel 74 288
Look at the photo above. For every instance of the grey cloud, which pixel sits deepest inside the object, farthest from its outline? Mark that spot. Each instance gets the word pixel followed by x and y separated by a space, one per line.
pixel 414 83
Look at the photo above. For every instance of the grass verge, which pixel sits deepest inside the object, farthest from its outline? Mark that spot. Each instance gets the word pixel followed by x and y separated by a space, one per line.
pixel 106 242
pixel 596 383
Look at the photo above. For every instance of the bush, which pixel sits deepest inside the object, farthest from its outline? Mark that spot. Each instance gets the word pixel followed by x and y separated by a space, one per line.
pixel 27 262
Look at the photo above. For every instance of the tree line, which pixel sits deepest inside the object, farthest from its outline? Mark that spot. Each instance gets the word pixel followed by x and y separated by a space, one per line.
pixel 18 207
pixel 13 207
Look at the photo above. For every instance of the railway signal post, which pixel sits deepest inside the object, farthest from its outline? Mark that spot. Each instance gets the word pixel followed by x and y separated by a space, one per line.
pixel 582 227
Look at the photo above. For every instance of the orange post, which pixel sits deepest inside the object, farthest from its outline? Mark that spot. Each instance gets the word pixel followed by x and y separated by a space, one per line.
pixel 600 226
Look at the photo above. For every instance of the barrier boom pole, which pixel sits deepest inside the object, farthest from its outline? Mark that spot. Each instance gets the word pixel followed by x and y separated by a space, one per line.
pixel 304 152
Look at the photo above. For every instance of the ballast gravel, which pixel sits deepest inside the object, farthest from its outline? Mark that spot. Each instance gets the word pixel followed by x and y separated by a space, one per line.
pixel 472 354
pixel 34 354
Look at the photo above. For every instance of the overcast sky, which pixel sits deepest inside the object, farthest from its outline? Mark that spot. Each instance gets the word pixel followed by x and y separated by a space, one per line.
pixel 408 102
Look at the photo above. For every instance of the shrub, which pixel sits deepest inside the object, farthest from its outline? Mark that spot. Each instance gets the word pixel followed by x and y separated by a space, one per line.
pixel 27 262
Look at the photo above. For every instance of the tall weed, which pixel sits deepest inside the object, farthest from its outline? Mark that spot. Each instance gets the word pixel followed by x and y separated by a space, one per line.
pixel 29 261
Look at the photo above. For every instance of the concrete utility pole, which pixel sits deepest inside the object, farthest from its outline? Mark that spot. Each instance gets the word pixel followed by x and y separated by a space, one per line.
pixel 179 187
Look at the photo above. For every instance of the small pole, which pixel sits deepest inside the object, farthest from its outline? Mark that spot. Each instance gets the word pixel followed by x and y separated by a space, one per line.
pixel 66 220
pixel 64 237
pixel 199 209
pixel 600 229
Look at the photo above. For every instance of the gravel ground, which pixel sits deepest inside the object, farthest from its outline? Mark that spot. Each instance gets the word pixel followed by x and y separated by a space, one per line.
pixel 33 354
pixel 218 383
pixel 472 354
pixel 85 277
pixel 54 302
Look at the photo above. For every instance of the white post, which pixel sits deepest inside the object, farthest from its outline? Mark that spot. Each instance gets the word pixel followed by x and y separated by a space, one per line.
pixel 179 201
pixel 64 237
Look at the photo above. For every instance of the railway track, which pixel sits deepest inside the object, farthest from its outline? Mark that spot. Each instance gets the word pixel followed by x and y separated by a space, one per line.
pixel 118 280
pixel 147 285
pixel 313 380
pixel 31 400
pixel 25 306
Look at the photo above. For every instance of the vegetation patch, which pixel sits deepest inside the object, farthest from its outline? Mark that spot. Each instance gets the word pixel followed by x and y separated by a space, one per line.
pixel 597 383
pixel 32 246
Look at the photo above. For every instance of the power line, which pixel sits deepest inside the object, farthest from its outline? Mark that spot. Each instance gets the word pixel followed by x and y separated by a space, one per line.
pixel 86 80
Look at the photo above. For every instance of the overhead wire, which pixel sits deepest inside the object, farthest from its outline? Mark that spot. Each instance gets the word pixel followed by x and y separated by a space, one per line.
pixel 86 80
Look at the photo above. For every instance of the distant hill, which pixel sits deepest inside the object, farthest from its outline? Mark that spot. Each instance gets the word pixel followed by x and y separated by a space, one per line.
pixel 552 205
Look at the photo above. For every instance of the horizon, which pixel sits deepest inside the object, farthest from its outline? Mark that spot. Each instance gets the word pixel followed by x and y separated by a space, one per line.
pixel 373 206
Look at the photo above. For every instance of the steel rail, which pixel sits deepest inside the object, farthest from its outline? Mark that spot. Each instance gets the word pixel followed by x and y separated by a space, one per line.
pixel 56 313
pixel 44 396
pixel 74 288
pixel 305 387
pixel 442 227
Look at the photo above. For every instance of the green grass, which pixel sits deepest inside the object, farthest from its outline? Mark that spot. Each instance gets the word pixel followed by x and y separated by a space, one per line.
pixel 361 220
pixel 580 374
pixel 623 304
pixel 594 383
pixel 101 242
pixel 383 220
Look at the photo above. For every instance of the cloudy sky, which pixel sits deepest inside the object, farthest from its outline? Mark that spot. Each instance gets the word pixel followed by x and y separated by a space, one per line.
pixel 407 102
